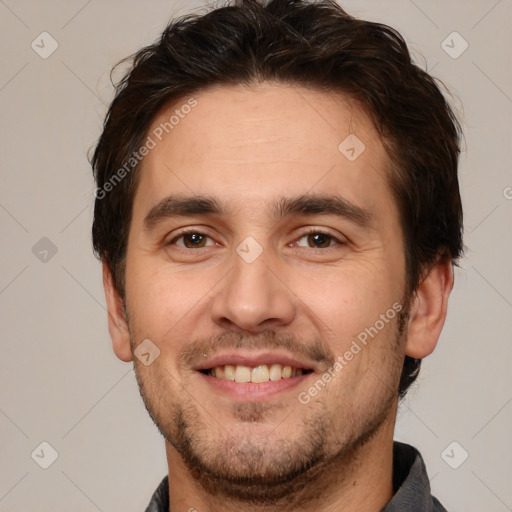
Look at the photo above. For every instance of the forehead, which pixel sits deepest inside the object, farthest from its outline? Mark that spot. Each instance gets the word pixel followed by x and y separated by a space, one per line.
pixel 252 143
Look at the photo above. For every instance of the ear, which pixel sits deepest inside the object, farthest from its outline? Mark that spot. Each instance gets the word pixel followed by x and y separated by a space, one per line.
pixel 117 324
pixel 428 310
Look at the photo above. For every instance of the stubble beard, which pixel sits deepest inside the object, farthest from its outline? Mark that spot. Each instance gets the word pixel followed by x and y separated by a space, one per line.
pixel 248 468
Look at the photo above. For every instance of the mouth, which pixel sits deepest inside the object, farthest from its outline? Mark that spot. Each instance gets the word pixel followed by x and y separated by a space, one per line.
pixel 254 375
pixel 257 374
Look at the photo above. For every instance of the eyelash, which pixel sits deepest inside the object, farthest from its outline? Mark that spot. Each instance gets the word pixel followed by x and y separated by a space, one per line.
pixel 314 231
pixel 309 232
pixel 184 233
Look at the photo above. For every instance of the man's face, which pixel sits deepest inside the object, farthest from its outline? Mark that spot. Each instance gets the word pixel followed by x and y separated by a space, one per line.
pixel 304 254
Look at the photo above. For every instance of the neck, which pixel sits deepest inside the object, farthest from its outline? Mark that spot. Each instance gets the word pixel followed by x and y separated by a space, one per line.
pixel 349 483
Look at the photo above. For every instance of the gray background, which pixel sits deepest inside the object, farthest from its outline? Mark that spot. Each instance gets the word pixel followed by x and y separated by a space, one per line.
pixel 60 381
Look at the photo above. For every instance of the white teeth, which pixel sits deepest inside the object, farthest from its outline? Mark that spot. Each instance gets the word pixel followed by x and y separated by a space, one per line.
pixel 258 374
pixel 229 372
pixel 275 372
pixel 242 374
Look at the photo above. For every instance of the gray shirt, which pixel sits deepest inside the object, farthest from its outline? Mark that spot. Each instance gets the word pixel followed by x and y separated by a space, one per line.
pixel 410 483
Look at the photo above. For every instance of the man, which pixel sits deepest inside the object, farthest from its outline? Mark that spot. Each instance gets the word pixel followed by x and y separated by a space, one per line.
pixel 278 213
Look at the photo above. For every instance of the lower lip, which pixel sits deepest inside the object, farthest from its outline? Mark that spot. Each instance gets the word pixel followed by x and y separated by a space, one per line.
pixel 252 391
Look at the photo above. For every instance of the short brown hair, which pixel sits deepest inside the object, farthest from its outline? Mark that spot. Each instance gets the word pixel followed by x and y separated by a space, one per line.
pixel 312 44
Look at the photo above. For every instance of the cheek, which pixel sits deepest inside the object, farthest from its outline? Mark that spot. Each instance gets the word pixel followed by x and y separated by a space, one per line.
pixel 343 302
pixel 160 301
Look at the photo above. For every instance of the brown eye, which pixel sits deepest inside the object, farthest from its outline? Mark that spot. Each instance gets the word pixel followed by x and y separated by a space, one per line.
pixel 319 240
pixel 316 240
pixel 192 240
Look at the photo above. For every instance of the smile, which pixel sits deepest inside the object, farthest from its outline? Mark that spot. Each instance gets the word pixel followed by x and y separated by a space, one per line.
pixel 257 374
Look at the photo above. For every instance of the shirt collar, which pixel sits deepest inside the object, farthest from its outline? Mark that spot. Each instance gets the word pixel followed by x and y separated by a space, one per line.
pixel 411 485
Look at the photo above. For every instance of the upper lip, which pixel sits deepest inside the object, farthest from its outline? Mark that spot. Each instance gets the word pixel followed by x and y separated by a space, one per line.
pixel 253 359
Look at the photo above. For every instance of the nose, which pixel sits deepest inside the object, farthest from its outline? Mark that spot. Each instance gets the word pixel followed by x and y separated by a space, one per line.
pixel 253 298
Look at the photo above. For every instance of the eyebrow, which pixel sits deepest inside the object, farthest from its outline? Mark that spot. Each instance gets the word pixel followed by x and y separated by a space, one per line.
pixel 307 204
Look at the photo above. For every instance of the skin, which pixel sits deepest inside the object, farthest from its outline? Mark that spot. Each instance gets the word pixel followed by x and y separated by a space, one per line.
pixel 248 147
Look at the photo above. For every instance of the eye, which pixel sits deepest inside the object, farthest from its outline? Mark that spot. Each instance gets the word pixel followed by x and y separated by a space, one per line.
pixel 192 240
pixel 317 240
